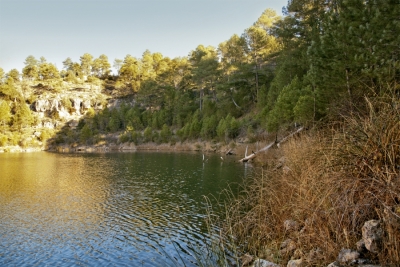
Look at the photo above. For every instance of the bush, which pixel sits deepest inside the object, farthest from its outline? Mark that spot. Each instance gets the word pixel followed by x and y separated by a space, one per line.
pixel 45 135
pixel 3 140
pixel 14 138
pixel 165 134
pixel 147 134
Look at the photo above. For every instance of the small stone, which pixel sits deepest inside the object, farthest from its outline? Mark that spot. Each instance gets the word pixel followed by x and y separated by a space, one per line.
pixel 286 170
pixel 348 256
pixel 291 225
pixel 264 263
pixel 372 233
pixel 295 263
pixel 333 264
pixel 246 259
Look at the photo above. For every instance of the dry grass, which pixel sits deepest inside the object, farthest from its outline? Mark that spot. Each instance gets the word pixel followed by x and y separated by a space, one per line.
pixel 332 182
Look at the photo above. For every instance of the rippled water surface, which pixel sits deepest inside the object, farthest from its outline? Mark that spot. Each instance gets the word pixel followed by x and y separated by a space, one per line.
pixel 114 209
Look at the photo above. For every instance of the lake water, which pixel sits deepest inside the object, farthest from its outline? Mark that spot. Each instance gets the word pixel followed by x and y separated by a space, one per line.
pixel 112 209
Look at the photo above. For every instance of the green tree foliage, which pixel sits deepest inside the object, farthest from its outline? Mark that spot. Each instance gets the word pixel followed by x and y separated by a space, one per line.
pixel 205 71
pixel 48 71
pixel 23 116
pixel 130 73
pixel 2 75
pixel 340 51
pixel 117 65
pixel 101 66
pixel 9 90
pixel 86 133
pixel 86 64
pixel 14 74
pixel 283 111
pixel 319 60
pixel 357 50
pixel 31 69
pixel 148 134
pixel 5 114
pixel 68 63
pixel 165 134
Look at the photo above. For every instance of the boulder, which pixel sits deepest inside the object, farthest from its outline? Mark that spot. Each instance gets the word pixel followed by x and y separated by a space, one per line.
pixel 372 234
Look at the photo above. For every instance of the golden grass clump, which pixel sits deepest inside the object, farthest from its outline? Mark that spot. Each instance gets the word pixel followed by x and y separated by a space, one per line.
pixel 331 182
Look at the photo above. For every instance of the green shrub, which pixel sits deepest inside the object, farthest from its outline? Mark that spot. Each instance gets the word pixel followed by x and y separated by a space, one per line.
pixel 165 134
pixel 3 140
pixel 45 135
pixel 147 134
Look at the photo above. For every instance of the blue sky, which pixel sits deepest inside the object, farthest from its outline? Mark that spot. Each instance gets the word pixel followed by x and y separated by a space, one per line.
pixel 57 29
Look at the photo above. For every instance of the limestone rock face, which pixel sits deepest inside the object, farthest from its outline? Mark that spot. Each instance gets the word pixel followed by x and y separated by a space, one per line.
pixel 48 124
pixel 76 103
pixel 55 104
pixel 41 105
pixel 86 104
pixel 372 235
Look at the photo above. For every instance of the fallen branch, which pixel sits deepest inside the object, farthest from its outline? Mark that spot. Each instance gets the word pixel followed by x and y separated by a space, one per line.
pixel 254 154
pixel 249 157
pixel 290 135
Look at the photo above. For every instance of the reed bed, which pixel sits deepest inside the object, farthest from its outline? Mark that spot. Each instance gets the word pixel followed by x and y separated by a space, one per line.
pixel 330 182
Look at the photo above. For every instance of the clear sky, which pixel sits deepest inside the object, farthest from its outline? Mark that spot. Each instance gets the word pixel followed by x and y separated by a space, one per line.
pixel 57 29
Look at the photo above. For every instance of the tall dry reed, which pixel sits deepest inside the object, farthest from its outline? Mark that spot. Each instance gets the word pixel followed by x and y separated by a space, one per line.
pixel 331 182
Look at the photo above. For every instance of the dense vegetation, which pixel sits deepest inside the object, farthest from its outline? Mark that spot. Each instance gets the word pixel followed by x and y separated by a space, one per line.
pixel 314 64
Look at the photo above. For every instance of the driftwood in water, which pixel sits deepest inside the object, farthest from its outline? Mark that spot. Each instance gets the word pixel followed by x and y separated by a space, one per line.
pixel 254 154
pixel 249 157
